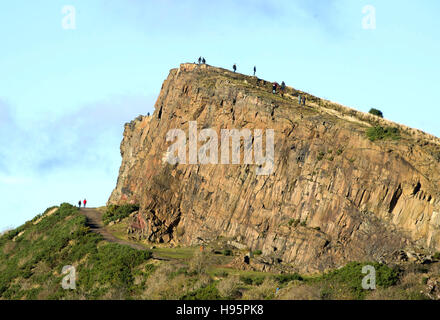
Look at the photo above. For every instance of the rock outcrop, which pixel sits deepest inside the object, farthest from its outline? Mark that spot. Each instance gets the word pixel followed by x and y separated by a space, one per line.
pixel 334 196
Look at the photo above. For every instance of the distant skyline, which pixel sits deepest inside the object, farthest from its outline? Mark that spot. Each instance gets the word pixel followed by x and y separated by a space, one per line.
pixel 71 79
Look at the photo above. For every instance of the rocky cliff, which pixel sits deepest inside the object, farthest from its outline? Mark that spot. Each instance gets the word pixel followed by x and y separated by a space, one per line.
pixel 334 195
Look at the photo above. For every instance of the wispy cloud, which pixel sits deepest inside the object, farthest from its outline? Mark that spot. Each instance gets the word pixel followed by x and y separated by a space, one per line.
pixel 85 138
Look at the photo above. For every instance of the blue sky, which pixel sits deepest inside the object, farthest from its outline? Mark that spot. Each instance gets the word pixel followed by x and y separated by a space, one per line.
pixel 65 94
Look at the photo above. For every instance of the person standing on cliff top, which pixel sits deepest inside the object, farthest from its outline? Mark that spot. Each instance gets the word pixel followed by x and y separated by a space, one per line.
pixel 234 67
pixel 79 204
pixel 255 70
pixel 283 87
pixel 203 61
pixel 200 60
pixel 85 202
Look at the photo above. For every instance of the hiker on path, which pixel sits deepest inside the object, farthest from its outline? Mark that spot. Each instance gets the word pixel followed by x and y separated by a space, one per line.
pixel 200 60
pixel 234 67
pixel 299 99
pixel 274 88
pixel 255 70
pixel 85 202
pixel 304 101
pixel 283 87
pixel 79 204
pixel 204 61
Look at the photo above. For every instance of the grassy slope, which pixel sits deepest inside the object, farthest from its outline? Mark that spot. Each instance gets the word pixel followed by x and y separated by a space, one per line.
pixel 33 255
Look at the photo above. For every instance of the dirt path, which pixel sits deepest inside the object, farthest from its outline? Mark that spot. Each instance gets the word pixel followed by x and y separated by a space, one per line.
pixel 94 221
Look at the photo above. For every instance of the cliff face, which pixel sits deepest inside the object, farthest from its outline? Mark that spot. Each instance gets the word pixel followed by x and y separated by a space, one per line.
pixel 333 196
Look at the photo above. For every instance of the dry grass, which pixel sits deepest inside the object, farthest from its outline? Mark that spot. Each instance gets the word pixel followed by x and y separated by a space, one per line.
pixel 161 287
pixel 264 291
pixel 9 247
pixel 228 287
pixel 300 292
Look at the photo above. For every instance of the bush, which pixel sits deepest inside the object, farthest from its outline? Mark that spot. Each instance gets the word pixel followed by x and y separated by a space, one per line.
pixel 228 287
pixel 381 133
pixel 376 112
pixel 286 278
pixel 115 212
pixel 209 292
pixel 294 222
pixel 252 280
pixel 351 277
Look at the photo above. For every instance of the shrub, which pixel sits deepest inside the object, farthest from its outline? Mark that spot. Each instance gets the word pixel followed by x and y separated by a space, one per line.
pixel 257 253
pixel 320 156
pixel 376 112
pixel 199 262
pixel 227 252
pixel 381 133
pixel 252 280
pixel 115 212
pixel 209 292
pixel 264 291
pixel 286 278
pixel 351 277
pixel 294 222
pixel 228 288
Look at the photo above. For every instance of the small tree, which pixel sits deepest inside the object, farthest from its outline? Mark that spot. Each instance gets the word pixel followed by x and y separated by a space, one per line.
pixel 376 112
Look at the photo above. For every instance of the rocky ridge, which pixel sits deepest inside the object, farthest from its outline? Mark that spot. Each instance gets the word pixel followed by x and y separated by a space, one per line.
pixel 334 196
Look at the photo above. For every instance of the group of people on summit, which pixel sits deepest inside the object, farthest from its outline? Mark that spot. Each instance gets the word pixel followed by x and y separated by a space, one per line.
pixel 275 85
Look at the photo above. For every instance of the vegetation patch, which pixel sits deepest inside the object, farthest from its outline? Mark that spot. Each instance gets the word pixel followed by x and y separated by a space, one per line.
pixel 376 112
pixel 383 133
pixel 115 212
pixel 32 270
pixel 349 278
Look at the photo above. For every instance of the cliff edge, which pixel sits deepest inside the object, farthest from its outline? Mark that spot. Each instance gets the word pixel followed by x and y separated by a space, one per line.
pixel 333 196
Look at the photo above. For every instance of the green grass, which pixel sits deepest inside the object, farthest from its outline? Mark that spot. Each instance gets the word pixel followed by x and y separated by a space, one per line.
pixel 381 133
pixel 184 253
pixel 32 264
pixel 349 279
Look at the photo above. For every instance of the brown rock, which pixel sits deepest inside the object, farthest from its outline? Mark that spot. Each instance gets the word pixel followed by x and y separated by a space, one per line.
pixel 354 199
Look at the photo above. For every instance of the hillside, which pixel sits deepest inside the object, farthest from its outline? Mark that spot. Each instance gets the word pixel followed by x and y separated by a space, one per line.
pixel 32 258
pixel 346 186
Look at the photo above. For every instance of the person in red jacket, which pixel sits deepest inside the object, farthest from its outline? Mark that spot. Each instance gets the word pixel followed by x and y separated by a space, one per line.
pixel 84 203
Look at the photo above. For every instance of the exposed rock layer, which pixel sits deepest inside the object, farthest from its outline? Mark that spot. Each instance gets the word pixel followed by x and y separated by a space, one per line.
pixel 334 196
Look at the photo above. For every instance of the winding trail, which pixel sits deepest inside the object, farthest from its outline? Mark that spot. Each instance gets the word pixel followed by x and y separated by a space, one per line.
pixel 94 222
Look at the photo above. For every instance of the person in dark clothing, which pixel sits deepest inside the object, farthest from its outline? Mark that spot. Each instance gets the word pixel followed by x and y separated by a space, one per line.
pixel 304 101
pixel 200 60
pixel 283 87
pixel 85 202
pixel 234 67
pixel 79 204
pixel 204 61
pixel 274 88
pixel 299 99
pixel 255 70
